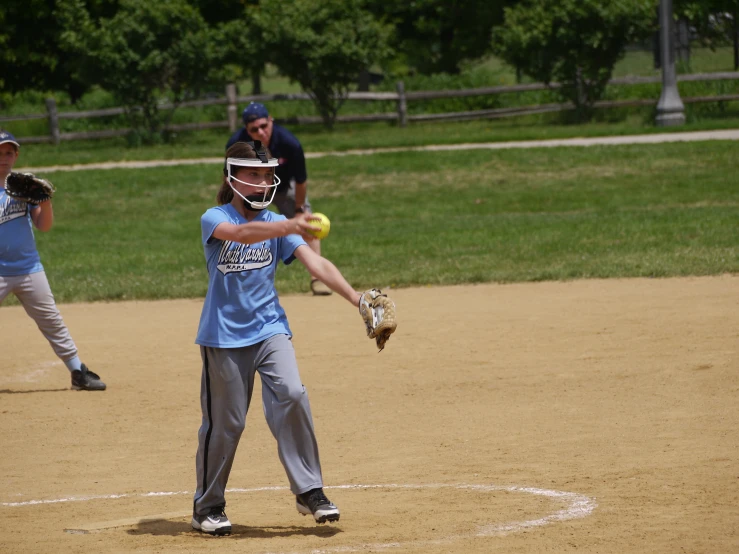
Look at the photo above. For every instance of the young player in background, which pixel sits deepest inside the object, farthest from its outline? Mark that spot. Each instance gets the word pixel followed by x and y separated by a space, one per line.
pixel 291 196
pixel 243 330
pixel 21 271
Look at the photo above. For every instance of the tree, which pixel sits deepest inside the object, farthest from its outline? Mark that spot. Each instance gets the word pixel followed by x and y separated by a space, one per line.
pixel 148 52
pixel 222 11
pixel 323 46
pixel 715 21
pixel 243 46
pixel 436 36
pixel 574 42
pixel 240 37
pixel 30 56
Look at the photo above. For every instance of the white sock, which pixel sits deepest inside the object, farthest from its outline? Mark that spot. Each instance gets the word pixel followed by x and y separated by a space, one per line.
pixel 73 363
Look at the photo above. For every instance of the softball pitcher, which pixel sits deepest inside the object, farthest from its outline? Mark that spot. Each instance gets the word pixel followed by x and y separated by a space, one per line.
pixel 243 330
pixel 291 196
pixel 21 271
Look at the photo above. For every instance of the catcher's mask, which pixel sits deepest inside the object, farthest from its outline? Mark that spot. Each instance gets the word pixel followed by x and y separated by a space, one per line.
pixel 260 200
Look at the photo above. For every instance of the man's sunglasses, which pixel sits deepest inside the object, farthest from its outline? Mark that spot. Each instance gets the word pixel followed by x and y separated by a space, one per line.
pixel 263 126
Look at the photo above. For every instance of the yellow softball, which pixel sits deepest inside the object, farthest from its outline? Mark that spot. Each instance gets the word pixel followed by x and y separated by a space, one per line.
pixel 322 222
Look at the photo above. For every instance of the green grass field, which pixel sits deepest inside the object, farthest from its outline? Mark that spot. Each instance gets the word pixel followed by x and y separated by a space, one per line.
pixel 420 219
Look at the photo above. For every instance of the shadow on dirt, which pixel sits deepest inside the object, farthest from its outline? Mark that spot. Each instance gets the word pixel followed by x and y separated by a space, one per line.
pixel 10 391
pixel 176 528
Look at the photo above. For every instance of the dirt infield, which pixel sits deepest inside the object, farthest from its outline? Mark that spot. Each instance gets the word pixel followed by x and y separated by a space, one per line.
pixel 587 416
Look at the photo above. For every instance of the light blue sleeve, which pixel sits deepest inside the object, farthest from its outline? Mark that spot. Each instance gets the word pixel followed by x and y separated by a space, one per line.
pixel 288 246
pixel 209 221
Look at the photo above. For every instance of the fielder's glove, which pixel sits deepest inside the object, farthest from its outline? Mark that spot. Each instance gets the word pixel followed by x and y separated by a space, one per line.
pixel 378 313
pixel 28 187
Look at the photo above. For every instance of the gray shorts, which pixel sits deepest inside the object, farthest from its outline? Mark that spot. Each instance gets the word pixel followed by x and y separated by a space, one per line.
pixel 285 201
pixel 225 394
pixel 34 294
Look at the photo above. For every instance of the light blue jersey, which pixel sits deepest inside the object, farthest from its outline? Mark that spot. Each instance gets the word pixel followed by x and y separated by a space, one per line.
pixel 241 307
pixel 18 253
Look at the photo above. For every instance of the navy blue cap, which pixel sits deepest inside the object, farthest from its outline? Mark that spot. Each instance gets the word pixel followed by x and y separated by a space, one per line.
pixel 7 137
pixel 254 111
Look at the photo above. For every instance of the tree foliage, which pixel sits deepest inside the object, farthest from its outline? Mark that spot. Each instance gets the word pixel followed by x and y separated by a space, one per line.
pixel 222 11
pixel 30 56
pixel 241 39
pixel 713 20
pixel 436 36
pixel 574 42
pixel 148 52
pixel 323 46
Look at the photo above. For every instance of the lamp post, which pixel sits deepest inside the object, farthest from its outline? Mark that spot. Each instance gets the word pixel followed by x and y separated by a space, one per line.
pixel 670 109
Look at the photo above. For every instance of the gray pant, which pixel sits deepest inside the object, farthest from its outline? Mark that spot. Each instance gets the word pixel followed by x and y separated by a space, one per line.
pixel 285 201
pixel 226 387
pixel 34 294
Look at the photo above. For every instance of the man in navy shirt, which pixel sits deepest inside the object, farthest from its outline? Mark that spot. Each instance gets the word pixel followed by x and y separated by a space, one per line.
pixel 291 195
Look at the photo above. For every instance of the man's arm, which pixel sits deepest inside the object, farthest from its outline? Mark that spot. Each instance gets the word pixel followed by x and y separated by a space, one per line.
pixel 301 191
pixel 299 172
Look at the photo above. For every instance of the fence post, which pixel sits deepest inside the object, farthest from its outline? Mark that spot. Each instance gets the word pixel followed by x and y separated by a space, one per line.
pixel 53 120
pixel 232 108
pixel 682 38
pixel 402 106
pixel 363 83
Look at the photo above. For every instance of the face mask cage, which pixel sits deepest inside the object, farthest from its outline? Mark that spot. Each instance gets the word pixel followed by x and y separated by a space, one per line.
pixel 260 200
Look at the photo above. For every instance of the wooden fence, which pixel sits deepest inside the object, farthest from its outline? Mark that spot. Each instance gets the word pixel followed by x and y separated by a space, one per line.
pixel 231 100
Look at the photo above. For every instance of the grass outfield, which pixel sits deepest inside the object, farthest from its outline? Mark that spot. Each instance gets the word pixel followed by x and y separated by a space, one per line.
pixel 420 218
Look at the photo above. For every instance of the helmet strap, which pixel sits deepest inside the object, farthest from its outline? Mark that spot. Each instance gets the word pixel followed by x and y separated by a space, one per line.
pixel 259 150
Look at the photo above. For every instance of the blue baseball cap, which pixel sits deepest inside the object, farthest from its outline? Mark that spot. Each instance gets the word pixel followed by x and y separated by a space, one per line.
pixel 7 137
pixel 254 111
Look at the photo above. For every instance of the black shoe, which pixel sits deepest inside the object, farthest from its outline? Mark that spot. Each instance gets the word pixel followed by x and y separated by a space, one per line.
pixel 84 379
pixel 319 289
pixel 315 502
pixel 215 523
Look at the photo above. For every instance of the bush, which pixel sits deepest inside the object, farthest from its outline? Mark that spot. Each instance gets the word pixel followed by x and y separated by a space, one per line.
pixel 574 42
pixel 323 46
pixel 149 52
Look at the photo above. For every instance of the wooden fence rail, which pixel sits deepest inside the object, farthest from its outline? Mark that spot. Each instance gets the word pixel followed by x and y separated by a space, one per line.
pixel 231 100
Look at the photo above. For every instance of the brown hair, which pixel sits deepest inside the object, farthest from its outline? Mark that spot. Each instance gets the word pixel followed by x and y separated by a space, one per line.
pixel 243 150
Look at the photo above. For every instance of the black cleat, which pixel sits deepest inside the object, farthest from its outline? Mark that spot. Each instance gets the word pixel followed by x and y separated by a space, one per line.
pixel 84 379
pixel 319 289
pixel 214 523
pixel 315 503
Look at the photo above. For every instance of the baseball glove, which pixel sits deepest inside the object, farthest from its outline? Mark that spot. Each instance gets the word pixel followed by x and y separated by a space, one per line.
pixel 378 313
pixel 28 187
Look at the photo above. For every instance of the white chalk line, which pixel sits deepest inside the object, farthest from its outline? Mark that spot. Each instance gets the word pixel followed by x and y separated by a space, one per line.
pixel 38 371
pixel 33 373
pixel 653 138
pixel 576 506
